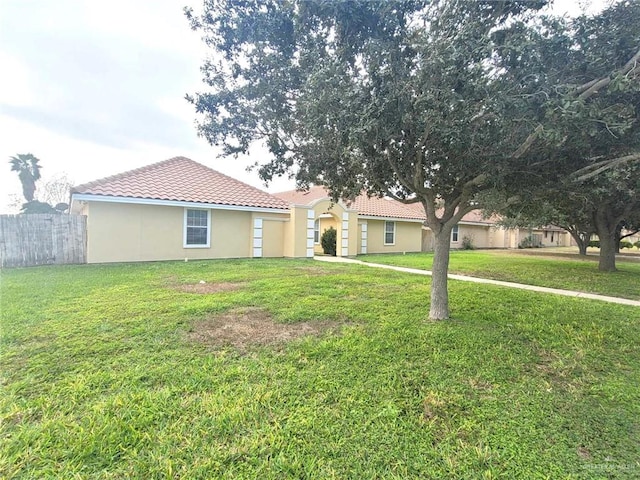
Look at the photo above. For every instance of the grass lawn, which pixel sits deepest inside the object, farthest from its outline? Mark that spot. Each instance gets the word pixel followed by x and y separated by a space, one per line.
pixel 330 371
pixel 533 267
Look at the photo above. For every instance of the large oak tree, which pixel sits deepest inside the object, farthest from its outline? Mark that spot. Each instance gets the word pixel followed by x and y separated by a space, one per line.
pixel 421 101
pixel 585 73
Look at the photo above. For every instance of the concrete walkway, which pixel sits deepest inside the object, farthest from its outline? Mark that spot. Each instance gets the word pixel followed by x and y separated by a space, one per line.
pixel 464 278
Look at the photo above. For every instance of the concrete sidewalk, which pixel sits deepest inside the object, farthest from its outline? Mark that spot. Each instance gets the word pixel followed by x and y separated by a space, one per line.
pixel 464 278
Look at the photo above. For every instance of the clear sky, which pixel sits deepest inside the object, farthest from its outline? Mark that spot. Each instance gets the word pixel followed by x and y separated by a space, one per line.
pixel 97 88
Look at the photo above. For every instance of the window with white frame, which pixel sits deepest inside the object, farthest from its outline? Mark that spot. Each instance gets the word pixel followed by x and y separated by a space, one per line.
pixel 316 231
pixel 454 233
pixel 389 233
pixel 197 228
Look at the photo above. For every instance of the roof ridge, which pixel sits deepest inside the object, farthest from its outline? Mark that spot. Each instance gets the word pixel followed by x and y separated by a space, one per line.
pixel 180 178
pixel 300 190
pixel 118 176
pixel 235 180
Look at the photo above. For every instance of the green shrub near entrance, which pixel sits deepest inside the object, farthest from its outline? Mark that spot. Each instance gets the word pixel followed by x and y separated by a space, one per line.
pixel 329 241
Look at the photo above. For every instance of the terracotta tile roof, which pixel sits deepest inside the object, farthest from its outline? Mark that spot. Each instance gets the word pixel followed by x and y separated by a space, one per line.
pixel 299 197
pixel 476 216
pixel 388 208
pixel 182 179
pixel 374 206
pixel 378 207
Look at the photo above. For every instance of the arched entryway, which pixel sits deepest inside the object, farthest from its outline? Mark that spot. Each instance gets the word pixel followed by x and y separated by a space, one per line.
pixel 323 222
pixel 328 214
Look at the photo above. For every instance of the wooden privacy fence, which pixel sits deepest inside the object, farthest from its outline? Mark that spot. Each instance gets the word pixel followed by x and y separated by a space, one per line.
pixel 42 239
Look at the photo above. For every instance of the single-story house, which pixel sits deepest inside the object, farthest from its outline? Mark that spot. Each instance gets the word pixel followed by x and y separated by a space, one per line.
pixel 380 217
pixel 179 209
pixel 377 225
pixel 483 232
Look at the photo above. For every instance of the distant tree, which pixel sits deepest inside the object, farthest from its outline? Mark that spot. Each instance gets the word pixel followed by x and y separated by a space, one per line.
pixel 534 212
pixel 56 191
pixel 588 166
pixel 426 102
pixel 52 196
pixel 28 172
pixel 603 204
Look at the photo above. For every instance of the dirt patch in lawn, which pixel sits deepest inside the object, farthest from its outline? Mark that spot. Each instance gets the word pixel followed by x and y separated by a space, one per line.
pixel 245 328
pixel 204 288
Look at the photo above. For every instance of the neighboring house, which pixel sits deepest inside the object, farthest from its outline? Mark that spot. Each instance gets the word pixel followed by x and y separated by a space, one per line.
pixel 483 232
pixel 179 209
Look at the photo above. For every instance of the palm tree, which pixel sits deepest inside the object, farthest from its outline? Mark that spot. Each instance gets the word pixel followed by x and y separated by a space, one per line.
pixel 28 171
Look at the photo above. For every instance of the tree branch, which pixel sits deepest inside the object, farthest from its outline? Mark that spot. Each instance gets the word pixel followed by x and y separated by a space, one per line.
pixel 429 204
pixel 406 201
pixel 586 86
pixel 418 177
pixel 587 172
pixel 404 181
pixel 583 92
pixel 632 233
pixel 526 145
pixel 603 82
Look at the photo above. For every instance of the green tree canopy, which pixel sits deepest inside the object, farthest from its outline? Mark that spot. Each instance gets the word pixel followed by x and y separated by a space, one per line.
pixel 429 102
pixel 585 86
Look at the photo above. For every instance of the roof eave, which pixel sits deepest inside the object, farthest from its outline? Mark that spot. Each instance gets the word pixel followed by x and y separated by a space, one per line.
pixel 390 219
pixel 90 197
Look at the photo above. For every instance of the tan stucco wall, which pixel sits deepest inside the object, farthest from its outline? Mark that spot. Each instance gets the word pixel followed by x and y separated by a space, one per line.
pixel 486 236
pixel 482 237
pixel 498 237
pixel 408 237
pixel 119 232
pixel 273 228
pixel 295 233
pixel 479 235
pixel 512 237
pixel 354 239
pixel 554 238
pixel 427 240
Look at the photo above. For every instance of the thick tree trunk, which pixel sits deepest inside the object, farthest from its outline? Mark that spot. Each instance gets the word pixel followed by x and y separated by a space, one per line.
pixel 582 240
pixel 607 261
pixel 439 294
pixel 582 247
pixel 606 230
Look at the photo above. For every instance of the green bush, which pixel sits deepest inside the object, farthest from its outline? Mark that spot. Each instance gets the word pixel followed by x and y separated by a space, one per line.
pixel 329 241
pixel 530 242
pixel 594 243
pixel 467 243
pixel 637 244
pixel 625 244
